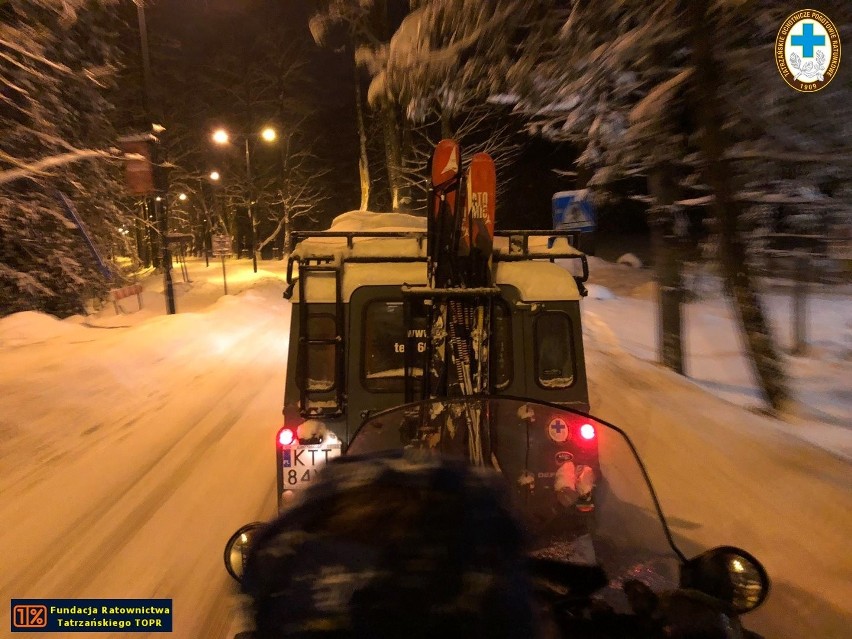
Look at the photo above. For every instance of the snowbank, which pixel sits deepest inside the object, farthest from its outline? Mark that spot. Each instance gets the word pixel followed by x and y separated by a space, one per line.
pixel 598 292
pixel 714 356
pixel 31 327
pixel 629 259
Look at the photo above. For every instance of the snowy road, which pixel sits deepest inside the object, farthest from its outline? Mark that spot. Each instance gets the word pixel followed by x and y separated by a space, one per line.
pixel 129 456
pixel 129 460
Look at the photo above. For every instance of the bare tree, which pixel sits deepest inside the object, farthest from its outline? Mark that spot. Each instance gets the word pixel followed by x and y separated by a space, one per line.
pixel 362 28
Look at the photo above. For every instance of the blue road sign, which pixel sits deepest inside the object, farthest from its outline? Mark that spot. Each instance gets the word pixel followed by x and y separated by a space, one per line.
pixel 573 211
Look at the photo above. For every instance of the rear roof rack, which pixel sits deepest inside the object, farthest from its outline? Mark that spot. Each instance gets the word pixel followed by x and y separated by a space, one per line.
pixel 517 249
pixel 298 236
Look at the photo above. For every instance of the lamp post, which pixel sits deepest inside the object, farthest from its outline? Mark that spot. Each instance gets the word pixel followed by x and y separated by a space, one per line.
pixel 160 207
pixel 268 135
pixel 214 179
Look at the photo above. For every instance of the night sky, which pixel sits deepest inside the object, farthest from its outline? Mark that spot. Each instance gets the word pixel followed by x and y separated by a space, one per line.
pixel 199 29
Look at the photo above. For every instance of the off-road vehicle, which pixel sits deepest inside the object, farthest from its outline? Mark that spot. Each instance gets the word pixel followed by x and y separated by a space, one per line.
pixel 361 309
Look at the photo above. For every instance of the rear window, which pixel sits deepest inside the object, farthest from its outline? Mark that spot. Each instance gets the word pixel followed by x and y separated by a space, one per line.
pixel 554 350
pixel 385 343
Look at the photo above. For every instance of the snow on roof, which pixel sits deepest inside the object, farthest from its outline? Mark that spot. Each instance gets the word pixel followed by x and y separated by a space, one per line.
pixel 537 281
pixel 320 286
pixel 372 221
pixel 367 221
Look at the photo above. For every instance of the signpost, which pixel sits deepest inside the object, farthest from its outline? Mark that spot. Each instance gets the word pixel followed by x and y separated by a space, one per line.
pixel 222 248
pixel 574 211
pixel 146 176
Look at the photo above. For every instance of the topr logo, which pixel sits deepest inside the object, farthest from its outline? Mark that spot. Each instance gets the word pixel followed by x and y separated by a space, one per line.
pixel 807 50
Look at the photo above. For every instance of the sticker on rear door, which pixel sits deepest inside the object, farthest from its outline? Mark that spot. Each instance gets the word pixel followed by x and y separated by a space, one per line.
pixel 558 429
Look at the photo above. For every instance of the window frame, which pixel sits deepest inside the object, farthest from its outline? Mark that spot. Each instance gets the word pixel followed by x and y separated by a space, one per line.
pixel 572 351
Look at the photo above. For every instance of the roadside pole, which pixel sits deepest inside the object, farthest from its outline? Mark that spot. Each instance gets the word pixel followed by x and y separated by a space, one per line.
pixel 800 305
pixel 222 248
pixel 224 276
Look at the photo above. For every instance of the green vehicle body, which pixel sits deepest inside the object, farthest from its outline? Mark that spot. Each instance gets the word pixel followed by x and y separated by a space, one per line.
pixel 353 320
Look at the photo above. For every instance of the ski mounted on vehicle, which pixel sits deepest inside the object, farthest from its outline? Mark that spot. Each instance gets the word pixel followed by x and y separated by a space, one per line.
pixel 391 308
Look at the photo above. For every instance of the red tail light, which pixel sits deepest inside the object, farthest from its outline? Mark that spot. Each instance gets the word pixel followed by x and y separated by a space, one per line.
pixel 587 432
pixel 287 437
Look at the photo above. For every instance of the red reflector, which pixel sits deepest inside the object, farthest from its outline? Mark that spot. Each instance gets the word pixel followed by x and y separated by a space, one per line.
pixel 286 437
pixel 587 431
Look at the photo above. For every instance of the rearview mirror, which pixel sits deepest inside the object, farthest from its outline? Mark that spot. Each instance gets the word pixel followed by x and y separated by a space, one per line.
pixel 730 574
pixel 237 549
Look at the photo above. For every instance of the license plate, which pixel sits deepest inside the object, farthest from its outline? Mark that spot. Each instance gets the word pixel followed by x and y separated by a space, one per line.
pixel 302 463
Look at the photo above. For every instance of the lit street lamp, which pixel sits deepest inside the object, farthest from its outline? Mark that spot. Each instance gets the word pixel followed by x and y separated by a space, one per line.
pixel 214 175
pixel 220 136
pixel 182 197
pixel 269 135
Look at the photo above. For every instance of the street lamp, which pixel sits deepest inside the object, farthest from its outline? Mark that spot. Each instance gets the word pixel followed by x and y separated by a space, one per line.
pixel 182 197
pixel 214 175
pixel 269 135
pixel 220 136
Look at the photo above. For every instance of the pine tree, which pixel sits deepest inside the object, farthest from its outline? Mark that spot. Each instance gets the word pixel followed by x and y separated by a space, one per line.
pixel 59 61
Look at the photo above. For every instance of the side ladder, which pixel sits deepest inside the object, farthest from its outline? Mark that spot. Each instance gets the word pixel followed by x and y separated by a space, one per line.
pixel 314 394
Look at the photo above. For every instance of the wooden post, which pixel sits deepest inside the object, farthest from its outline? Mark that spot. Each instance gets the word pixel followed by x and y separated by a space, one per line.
pixel 800 306
pixel 224 276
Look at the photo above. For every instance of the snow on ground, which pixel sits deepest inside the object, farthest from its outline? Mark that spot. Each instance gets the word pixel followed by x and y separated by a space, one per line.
pixel 725 475
pixel 714 353
pixel 31 327
pixel 129 455
pixel 133 446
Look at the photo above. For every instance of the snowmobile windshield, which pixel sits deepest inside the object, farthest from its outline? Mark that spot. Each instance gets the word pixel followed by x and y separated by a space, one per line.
pixel 581 488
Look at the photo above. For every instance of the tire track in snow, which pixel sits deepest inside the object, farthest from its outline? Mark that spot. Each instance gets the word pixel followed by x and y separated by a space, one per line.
pixel 77 533
pixel 226 605
pixel 155 497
